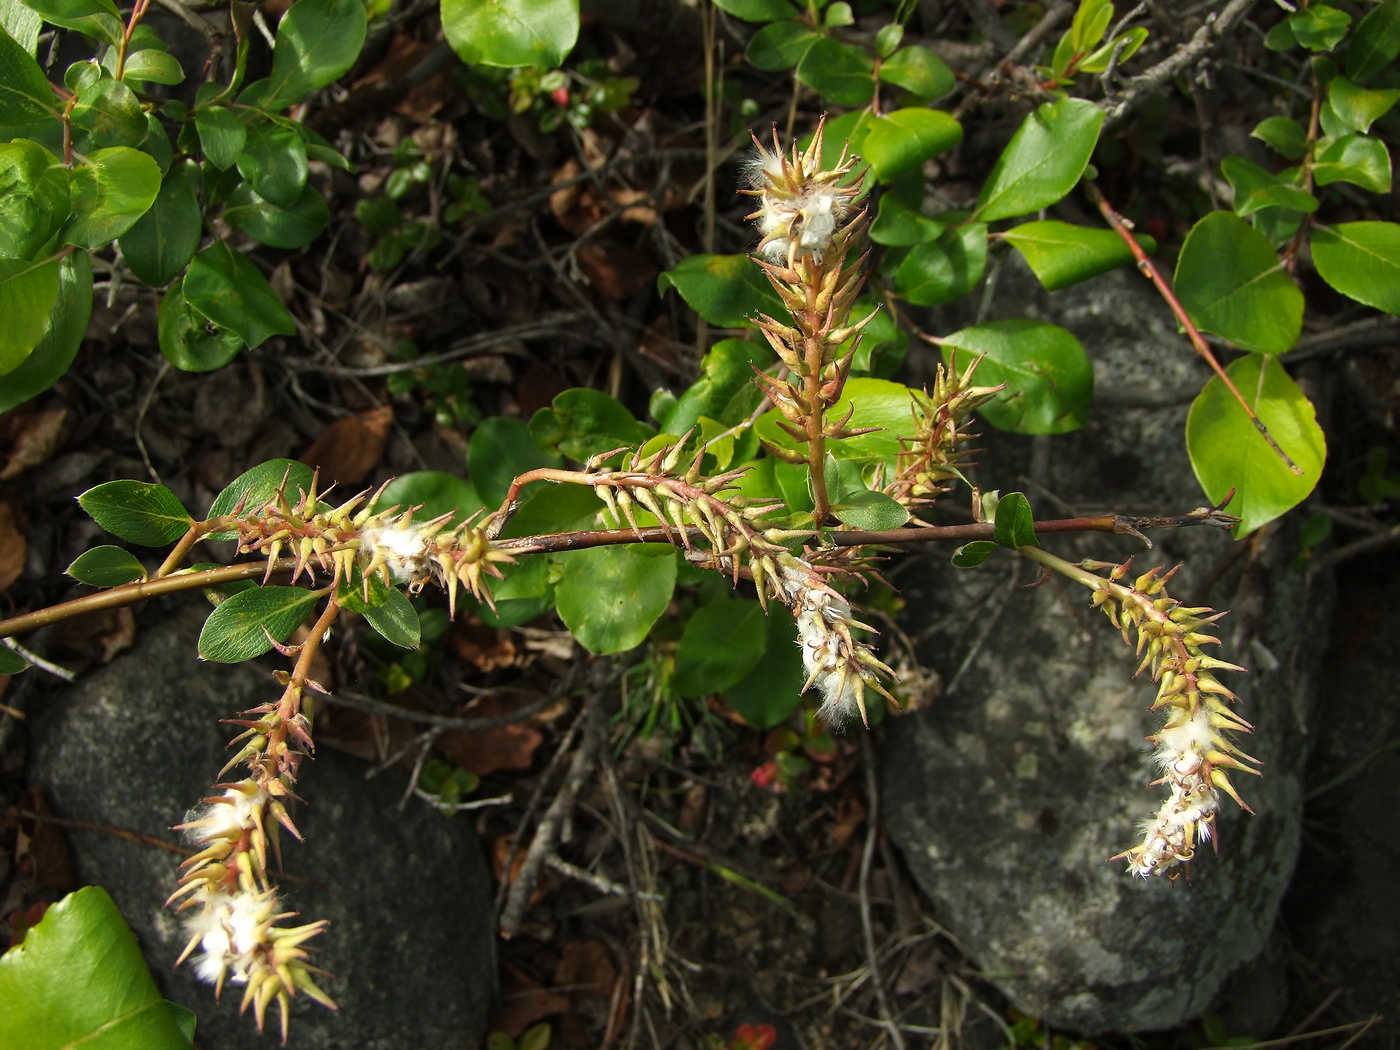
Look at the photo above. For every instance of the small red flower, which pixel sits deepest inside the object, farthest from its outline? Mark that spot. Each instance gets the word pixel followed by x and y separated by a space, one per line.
pixel 754 1037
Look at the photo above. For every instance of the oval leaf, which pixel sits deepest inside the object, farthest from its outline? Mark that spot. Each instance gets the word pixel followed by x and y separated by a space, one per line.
pixel 1043 160
pixel 396 619
pixel 875 511
pixel 1227 452
pixel 106 566
pixel 257 486
pixel 28 291
pixel 772 690
pixel 239 626
pixel 436 492
pixel 110 191
pixel 1060 254
pixel 33 198
pixel 1362 261
pixel 221 135
pixel 945 268
pixel 609 597
pixel 63 335
pixel 1049 380
pixel 189 340
pixel 722 643
pixel 25 95
pixel 164 240
pixel 274 161
pixel 317 43
pixel 229 290
pixel 1015 524
pixel 843 73
pixel 779 46
pixel 511 32
pixel 725 290
pixel 278 227
pixel 137 511
pixel 901 141
pixel 919 71
pixel 501 450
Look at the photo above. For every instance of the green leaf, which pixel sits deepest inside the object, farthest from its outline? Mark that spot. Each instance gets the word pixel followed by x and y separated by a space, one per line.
pixel 317 43
pixel 1319 27
pixel 95 18
pixel 189 340
pixel 33 198
pixel 888 38
pixel 137 511
pixel 10 663
pixel 756 10
pixel 919 71
pixel 1060 254
pixel 1357 106
pixel 436 491
pixel 152 65
pixel 501 450
pixel 723 641
pixel 1090 23
pixel 876 403
pixel 726 390
pixel 901 141
pixel 1097 62
pixel 899 225
pixel 21 23
pixel 156 144
pixel 1256 189
pixel 78 979
pixel 110 191
pixel 1228 452
pixel 1375 42
pixel 274 161
pixel 772 690
pixel 971 555
pixel 228 289
pixel 275 226
pixel 25 95
pixel 239 627
pixel 511 32
pixel 164 240
pixel 1015 524
pixel 221 135
pixel 1361 260
pixel 725 290
pixel 1358 159
pixel 1232 284
pixel 110 115
pixel 256 487
pixel 944 269
pixel 583 423
pixel 865 509
pixel 397 620
pixel 63 335
pixel 780 46
pixel 1283 135
pixel 28 291
pixel 1043 161
pixel 843 73
pixel 609 597
pixel 106 566
pixel 1049 380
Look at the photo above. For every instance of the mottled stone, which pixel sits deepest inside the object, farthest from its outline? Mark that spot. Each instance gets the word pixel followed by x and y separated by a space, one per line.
pixel 407 894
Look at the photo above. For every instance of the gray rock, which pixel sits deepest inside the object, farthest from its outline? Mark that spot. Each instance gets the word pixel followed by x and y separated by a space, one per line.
pixel 1010 792
pixel 408 894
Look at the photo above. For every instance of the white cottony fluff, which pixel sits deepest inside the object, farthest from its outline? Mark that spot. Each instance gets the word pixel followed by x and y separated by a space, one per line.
pixel 404 548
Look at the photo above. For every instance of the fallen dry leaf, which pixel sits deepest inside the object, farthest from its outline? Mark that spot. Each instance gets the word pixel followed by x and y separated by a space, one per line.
pixel 616 271
pixel 523 1001
pixel 485 648
pixel 100 635
pixel 41 848
pixel 586 970
pixel 12 547
pixel 348 449
pixel 36 442
pixel 484 751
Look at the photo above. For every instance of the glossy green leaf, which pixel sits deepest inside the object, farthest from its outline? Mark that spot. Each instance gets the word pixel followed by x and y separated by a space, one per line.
pixel 722 642
pixel 772 690
pixel 971 555
pixel 156 144
pixel 876 403
pixel 10 663
pixel 257 486
pixel 726 390
pixel 221 135
pixel 228 289
pixel 756 10
pixel 21 23
pixel 899 225
pixel 501 450
pixel 1232 284
pixel 725 290
pixel 164 240
pixel 25 95
pixel 919 71
pixel 110 191
pixel 1256 189
pixel 158 67
pixel 28 291
pixel 1374 43
pixel 1282 135
pixel 275 226
pixel 609 597
pixel 63 335
pixel 1358 107
pixel 78 979
pixel 396 620
pixel 1124 46
pixel 274 161
pixel 317 43
pixel 1089 24
pixel 864 509
pixel 189 340
pixel 436 492
pixel 106 566
pixel 901 141
pixel 511 32
pixel 780 46
pixel 1015 524
pixel 1227 452
pixel 1043 161
pixel 583 423
pixel 1049 379
pixel 944 269
pixel 1361 260
pixel 109 114
pixel 841 72
pixel 137 511
pixel 33 198
pixel 239 627
pixel 1358 159
pixel 1319 27
pixel 1060 254
pixel 96 18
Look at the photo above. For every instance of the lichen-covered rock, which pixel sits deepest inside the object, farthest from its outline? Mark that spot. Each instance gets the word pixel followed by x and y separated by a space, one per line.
pixel 1009 794
pixel 407 894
